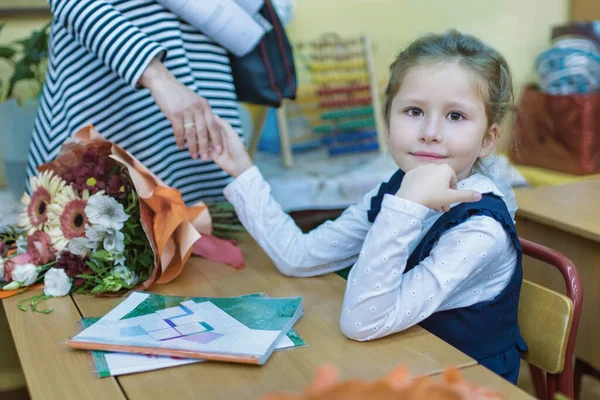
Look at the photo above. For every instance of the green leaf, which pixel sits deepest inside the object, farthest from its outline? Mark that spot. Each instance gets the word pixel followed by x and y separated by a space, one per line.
pixel 102 255
pixel 89 277
pixel 22 71
pixel 36 47
pixel 81 290
pixel 7 52
pixel 93 265
pixel 227 227
pixel 22 42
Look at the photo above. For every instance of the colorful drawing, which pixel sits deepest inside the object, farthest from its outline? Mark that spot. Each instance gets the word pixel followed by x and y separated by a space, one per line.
pixel 173 323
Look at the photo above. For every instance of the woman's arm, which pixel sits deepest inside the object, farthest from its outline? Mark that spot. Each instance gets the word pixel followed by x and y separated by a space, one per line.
pixel 188 112
pixel 104 31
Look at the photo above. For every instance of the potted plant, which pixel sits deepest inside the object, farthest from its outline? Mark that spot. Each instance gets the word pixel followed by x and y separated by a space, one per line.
pixel 26 60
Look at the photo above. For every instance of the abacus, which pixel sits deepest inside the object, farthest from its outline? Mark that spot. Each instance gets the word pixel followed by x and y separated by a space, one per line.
pixel 341 109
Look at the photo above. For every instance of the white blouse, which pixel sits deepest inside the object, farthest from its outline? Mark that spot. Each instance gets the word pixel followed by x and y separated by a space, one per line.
pixel 470 263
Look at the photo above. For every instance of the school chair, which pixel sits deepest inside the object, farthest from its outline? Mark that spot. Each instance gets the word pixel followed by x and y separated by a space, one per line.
pixel 549 322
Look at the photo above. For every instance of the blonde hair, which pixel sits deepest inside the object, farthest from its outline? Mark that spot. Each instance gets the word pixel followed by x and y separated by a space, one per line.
pixel 469 52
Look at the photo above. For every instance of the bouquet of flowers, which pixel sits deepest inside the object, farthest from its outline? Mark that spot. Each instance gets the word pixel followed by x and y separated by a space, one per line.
pixel 99 222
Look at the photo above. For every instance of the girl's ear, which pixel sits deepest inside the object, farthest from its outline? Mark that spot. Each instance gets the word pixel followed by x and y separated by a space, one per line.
pixel 489 140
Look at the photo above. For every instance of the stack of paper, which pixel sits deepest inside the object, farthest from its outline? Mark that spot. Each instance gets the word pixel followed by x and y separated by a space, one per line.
pixel 243 329
pixel 114 364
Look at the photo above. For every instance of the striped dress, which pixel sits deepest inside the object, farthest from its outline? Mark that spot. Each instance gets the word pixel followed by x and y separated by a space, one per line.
pixel 98 50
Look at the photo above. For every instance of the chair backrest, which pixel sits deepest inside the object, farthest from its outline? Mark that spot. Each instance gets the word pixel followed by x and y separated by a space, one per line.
pixel 549 322
pixel 545 319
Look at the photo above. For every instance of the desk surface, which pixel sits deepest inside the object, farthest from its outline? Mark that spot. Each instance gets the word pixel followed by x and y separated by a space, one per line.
pixel 52 371
pixel 572 208
pixel 484 377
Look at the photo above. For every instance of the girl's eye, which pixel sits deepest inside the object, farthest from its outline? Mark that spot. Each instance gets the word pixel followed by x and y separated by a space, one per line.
pixel 455 116
pixel 414 112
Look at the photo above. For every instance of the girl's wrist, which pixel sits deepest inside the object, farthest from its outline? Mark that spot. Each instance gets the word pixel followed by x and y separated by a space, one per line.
pixel 239 170
pixel 412 198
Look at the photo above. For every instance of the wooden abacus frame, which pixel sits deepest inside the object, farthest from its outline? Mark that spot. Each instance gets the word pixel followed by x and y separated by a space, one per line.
pixel 375 102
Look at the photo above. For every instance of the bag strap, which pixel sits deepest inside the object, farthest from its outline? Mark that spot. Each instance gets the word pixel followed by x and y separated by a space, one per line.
pixel 272 84
pixel 279 36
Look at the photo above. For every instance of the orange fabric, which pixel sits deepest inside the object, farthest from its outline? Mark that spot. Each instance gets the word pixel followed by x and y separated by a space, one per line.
pixel 172 231
pixel 170 220
pixel 399 384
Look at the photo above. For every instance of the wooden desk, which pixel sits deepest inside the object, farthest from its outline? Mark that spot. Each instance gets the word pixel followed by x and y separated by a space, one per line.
pixel 484 377
pixel 53 371
pixel 566 218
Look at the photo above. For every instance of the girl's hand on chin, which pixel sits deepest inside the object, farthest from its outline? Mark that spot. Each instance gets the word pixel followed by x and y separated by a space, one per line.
pixel 434 186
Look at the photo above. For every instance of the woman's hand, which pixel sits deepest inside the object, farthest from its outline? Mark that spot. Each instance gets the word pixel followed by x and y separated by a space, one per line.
pixel 434 186
pixel 187 112
pixel 234 159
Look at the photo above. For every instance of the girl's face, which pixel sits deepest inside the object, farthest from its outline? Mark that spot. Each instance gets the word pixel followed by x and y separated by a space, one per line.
pixel 438 117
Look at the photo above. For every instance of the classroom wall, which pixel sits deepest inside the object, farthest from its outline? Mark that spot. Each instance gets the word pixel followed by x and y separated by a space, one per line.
pixel 519 29
pixel 19 27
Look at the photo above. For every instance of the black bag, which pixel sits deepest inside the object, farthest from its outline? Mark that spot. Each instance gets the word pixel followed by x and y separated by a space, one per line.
pixel 266 75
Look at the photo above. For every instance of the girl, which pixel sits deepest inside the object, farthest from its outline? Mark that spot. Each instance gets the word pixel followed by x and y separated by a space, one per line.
pixel 436 244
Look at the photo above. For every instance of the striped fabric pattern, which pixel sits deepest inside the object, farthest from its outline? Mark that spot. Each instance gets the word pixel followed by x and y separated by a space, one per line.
pixel 97 52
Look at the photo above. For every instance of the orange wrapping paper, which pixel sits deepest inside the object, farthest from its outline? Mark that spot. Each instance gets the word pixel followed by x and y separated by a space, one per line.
pixel 172 228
